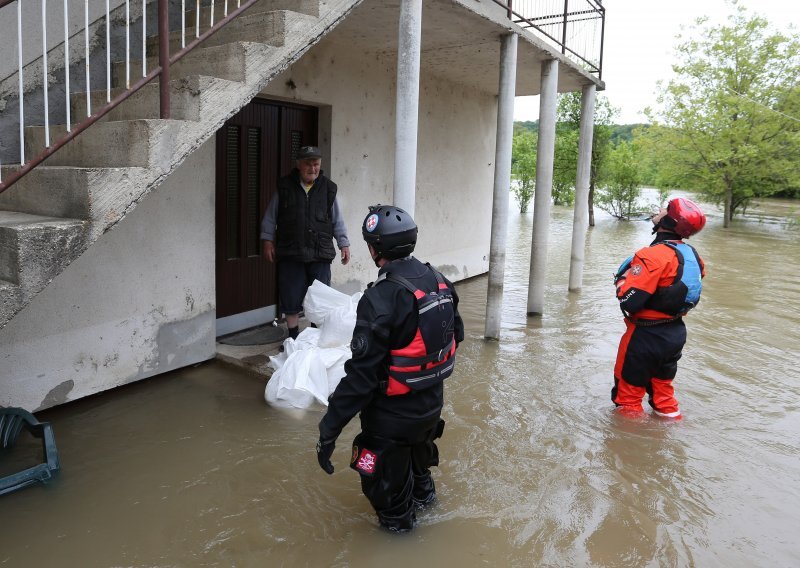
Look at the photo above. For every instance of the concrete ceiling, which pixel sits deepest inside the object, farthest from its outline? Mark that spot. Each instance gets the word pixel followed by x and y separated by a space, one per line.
pixel 460 42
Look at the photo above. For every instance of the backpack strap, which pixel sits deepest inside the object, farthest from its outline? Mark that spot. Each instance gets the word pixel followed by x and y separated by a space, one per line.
pixel 679 273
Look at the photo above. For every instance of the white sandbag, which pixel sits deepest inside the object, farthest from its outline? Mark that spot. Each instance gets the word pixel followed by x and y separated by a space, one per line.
pixel 336 369
pixel 337 327
pixel 300 381
pixel 321 299
pixel 311 366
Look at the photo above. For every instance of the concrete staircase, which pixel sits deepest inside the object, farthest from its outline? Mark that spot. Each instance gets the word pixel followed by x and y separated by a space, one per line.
pixel 54 214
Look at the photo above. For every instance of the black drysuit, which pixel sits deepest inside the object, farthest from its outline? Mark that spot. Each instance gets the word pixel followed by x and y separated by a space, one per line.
pixel 399 429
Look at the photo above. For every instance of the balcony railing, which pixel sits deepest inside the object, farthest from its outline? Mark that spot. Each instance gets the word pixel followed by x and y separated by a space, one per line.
pixel 575 27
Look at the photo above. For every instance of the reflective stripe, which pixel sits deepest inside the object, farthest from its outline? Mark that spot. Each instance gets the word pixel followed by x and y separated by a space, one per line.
pixel 668 414
pixel 444 369
pixel 435 304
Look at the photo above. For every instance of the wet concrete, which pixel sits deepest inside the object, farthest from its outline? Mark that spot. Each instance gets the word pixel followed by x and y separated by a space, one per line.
pixel 251 358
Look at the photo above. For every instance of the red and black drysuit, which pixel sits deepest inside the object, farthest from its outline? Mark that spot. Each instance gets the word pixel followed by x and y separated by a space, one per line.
pixel 399 422
pixel 648 355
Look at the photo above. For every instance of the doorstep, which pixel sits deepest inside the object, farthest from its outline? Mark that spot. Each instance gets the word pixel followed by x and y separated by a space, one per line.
pixel 251 358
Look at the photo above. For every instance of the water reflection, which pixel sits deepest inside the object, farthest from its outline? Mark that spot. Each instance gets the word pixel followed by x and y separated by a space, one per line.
pixel 192 469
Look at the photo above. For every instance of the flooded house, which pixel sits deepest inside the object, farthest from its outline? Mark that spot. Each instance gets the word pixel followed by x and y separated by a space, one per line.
pixel 130 208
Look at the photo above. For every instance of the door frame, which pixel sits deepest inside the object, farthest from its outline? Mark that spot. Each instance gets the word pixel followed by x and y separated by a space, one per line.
pixel 266 314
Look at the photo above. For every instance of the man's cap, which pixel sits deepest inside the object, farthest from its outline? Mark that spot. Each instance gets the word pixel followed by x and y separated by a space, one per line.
pixel 307 152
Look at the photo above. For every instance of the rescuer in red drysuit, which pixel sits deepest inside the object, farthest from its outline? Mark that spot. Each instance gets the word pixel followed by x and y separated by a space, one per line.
pixel 656 287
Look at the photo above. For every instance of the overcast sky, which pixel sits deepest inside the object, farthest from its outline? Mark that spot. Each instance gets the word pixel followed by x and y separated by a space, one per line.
pixel 639 38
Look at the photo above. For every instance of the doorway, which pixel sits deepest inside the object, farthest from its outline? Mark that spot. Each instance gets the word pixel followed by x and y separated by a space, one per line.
pixel 254 148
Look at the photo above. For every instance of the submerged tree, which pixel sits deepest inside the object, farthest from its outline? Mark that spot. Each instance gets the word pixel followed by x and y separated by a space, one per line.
pixel 729 122
pixel 566 151
pixel 622 175
pixel 565 164
pixel 523 167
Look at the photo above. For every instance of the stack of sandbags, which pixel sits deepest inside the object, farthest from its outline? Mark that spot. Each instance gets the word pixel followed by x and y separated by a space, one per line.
pixel 312 365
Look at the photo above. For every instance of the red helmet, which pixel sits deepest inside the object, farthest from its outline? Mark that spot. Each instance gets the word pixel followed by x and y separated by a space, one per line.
pixel 688 218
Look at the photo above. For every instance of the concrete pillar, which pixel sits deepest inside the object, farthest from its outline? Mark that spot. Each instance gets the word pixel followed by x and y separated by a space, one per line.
pixel 407 111
pixel 545 150
pixel 502 184
pixel 580 220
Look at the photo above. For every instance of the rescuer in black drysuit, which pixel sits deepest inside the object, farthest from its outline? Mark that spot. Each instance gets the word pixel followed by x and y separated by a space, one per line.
pixel 404 343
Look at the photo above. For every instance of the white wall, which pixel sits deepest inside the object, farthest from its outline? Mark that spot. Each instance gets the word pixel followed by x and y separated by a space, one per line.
pixel 356 93
pixel 140 302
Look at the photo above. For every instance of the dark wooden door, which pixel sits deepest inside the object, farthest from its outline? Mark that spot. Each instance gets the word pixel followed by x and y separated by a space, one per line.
pixel 254 148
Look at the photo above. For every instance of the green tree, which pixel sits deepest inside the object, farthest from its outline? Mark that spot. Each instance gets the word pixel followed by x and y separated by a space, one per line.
pixel 624 132
pixel 728 124
pixel 566 152
pixel 523 167
pixel 622 189
pixel 565 164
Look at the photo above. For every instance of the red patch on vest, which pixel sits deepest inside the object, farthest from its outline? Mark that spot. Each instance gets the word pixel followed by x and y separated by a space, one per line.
pixel 366 461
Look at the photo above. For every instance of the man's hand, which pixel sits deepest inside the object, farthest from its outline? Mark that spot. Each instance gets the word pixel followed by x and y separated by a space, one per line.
pixel 345 255
pixel 269 250
pixel 324 453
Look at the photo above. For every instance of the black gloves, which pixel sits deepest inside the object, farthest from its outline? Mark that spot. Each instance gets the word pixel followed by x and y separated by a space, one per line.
pixel 324 453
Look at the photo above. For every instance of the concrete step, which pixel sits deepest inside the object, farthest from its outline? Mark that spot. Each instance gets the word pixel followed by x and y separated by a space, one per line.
pixel 186 99
pixel 10 299
pixel 270 28
pixel 77 193
pixel 226 61
pixel 34 248
pixel 308 7
pixel 115 144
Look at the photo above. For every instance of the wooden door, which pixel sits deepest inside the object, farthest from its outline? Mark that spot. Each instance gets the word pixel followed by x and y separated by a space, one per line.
pixel 254 148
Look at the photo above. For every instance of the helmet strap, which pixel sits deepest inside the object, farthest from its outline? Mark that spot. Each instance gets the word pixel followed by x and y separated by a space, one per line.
pixel 656 226
pixel 376 257
pixel 666 223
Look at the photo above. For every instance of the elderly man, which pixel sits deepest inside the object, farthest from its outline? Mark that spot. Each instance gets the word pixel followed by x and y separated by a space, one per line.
pixel 298 228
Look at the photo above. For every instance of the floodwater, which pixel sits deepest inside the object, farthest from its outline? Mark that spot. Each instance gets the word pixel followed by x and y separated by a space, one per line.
pixel 194 469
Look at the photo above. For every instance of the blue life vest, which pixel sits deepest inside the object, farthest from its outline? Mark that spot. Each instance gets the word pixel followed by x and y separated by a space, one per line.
pixel 689 273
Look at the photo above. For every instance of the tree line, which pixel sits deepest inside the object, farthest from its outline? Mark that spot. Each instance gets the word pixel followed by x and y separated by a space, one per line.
pixel 726 126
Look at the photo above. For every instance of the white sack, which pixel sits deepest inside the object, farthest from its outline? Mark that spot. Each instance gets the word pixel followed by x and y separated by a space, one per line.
pixel 312 365
pixel 299 382
pixel 321 299
pixel 337 327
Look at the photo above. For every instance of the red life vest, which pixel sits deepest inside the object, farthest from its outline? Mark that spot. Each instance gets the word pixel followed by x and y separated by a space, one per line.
pixel 430 356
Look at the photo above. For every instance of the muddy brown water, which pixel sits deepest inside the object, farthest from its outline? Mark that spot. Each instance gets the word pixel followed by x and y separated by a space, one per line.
pixel 194 469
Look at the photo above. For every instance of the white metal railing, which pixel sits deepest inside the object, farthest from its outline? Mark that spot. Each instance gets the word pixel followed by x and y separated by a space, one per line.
pixel 98 23
pixel 23 43
pixel 575 27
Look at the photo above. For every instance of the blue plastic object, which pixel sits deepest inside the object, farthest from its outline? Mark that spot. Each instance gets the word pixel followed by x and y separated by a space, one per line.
pixel 626 264
pixel 12 421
